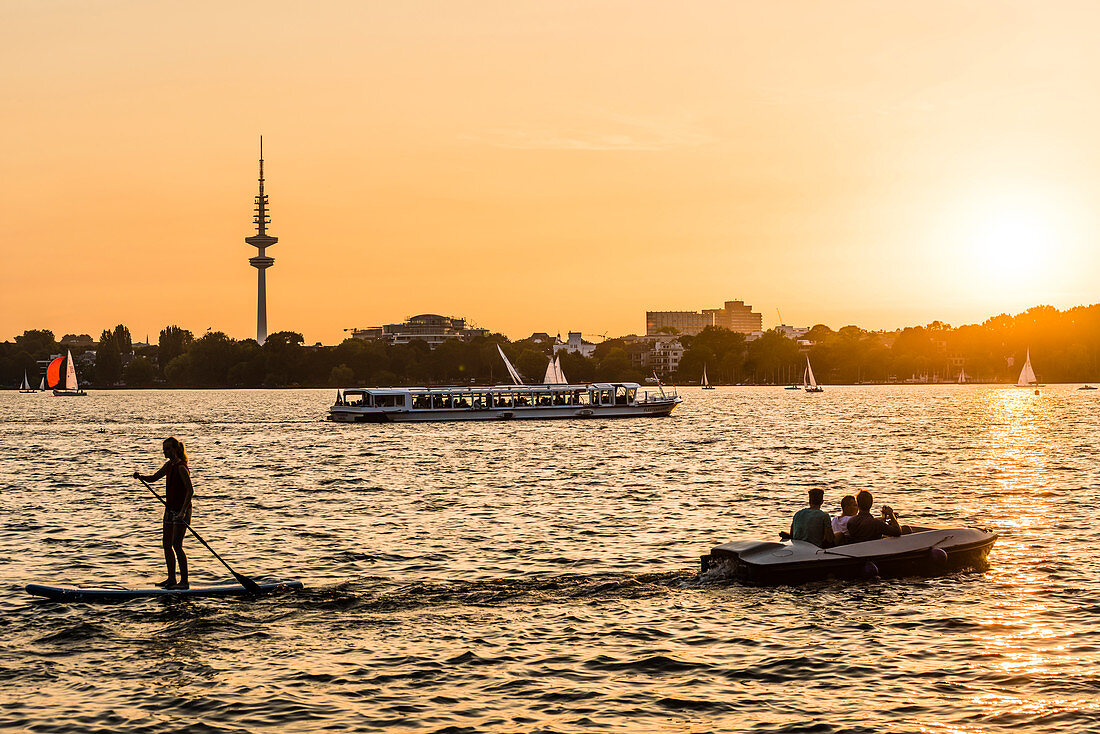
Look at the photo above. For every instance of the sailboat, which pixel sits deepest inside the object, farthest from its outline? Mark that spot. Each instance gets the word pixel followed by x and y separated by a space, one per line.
pixel 705 382
pixel 962 377
pixel 53 375
pixel 554 374
pixel 512 371
pixel 1027 374
pixel 808 381
pixel 26 386
pixel 42 385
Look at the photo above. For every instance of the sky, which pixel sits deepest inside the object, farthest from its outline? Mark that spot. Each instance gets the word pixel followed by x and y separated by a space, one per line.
pixel 545 166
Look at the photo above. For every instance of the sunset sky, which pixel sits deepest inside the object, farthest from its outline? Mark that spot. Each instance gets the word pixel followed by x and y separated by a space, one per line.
pixel 545 166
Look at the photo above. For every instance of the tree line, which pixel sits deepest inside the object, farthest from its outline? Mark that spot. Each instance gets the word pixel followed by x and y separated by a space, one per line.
pixel 1064 345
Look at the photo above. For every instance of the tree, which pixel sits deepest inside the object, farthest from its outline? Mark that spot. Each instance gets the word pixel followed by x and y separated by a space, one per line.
pixel 108 361
pixel 139 372
pixel 38 342
pixel 123 341
pixel 173 342
pixel 341 376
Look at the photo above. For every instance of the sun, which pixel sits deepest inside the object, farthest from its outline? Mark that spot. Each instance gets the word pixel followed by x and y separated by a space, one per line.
pixel 1013 241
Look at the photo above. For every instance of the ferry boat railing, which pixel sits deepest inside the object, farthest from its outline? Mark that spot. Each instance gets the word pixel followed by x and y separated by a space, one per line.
pixel 657 395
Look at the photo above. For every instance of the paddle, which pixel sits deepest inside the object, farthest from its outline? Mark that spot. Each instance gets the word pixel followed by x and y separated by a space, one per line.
pixel 243 580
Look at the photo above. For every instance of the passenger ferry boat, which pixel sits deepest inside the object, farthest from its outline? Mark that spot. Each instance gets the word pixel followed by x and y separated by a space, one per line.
pixel 507 402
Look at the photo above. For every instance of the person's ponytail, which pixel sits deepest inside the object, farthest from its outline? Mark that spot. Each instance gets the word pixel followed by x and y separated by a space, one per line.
pixel 175 446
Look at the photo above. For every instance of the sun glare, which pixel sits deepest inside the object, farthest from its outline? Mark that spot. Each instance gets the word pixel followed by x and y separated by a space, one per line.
pixel 1014 244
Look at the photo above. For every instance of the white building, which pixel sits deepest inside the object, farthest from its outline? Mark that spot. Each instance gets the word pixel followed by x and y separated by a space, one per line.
pixel 575 345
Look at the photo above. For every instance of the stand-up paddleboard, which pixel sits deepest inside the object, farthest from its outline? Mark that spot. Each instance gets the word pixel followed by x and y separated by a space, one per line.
pixel 70 593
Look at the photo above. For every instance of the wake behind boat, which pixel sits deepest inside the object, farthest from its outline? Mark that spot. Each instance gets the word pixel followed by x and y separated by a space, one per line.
pixel 925 551
pixel 70 593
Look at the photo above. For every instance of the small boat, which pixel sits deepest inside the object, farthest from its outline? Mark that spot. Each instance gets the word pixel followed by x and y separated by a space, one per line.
pixel 1027 374
pixel 26 386
pixel 70 593
pixel 809 384
pixel 925 551
pixel 53 376
pixel 963 377
pixel 42 385
pixel 705 382
pixel 1086 387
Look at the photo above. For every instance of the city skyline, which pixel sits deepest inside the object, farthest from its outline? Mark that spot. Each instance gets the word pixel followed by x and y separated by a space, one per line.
pixel 848 165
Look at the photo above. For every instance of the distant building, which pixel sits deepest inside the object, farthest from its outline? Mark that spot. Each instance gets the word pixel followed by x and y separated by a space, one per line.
pixel 793 332
pixel 660 353
pixel 427 327
pixel 575 345
pixel 734 315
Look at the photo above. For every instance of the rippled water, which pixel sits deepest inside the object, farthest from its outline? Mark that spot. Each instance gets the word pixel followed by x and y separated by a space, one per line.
pixel 541 576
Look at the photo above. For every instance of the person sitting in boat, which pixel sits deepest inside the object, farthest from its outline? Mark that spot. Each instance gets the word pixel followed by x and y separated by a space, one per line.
pixel 177 510
pixel 865 526
pixel 812 524
pixel 848 510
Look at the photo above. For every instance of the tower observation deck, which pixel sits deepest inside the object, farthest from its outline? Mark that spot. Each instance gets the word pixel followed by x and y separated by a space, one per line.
pixel 261 240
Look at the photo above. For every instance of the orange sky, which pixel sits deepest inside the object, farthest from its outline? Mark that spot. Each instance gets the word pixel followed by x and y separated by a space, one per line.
pixel 546 166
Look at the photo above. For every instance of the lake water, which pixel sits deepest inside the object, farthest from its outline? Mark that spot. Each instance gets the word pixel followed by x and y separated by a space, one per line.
pixel 540 576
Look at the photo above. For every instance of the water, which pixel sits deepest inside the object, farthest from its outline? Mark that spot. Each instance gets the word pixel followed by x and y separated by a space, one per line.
pixel 540 577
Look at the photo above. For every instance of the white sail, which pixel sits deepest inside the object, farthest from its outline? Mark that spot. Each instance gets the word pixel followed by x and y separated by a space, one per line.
pixel 26 385
pixel 551 376
pixel 810 373
pixel 70 372
pixel 705 382
pixel 511 370
pixel 1027 375
pixel 554 375
pixel 804 383
pixel 42 385
pixel 962 376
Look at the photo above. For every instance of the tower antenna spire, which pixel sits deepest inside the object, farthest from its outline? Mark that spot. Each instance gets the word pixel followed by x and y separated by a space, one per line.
pixel 261 240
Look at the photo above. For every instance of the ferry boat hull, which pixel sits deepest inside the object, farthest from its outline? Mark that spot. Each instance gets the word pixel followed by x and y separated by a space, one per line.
pixel 557 402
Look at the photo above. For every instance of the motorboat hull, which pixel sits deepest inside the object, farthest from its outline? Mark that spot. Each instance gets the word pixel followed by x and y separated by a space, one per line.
pixel 923 553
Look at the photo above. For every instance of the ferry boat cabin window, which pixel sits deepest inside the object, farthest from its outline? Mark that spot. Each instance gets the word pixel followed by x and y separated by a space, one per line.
pixel 463 400
pixel 631 393
pixel 581 397
pixel 441 400
pixel 605 397
pixel 422 402
pixel 389 401
pixel 503 400
pixel 620 395
pixel 355 398
pixel 523 400
pixel 544 399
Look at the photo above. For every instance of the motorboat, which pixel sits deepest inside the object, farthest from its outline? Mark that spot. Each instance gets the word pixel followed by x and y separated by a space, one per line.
pixel 925 551
pixel 1086 387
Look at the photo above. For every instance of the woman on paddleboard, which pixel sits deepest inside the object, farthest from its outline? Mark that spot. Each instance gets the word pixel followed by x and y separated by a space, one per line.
pixel 177 511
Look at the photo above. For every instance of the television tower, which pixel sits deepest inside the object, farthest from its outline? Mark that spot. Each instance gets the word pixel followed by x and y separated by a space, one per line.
pixel 261 262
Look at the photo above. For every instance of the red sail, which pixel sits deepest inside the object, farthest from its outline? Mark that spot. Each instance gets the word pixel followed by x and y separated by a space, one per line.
pixel 53 372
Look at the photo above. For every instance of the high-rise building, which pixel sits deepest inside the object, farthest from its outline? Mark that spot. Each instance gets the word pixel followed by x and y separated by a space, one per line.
pixel 261 240
pixel 734 315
